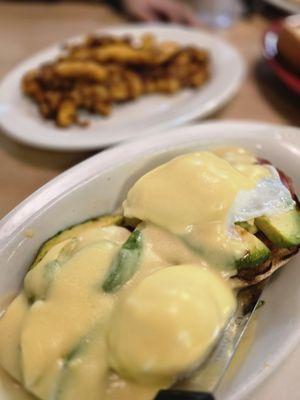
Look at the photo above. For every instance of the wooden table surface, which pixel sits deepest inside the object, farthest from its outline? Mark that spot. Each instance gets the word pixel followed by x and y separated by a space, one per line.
pixel 28 27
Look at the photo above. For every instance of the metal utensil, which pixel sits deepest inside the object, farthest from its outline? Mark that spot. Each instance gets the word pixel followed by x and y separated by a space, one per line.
pixel 203 382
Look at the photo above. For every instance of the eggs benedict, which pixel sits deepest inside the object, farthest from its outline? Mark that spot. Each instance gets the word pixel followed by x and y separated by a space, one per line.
pixel 121 306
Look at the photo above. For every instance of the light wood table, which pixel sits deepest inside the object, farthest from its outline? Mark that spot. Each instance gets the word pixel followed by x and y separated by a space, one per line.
pixel 28 27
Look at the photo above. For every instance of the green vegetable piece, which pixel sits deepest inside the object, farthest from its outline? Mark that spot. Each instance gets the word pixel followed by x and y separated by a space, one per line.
pixel 77 371
pixel 50 269
pixel 48 272
pixel 282 229
pixel 125 263
pixel 64 255
pixel 249 227
pixel 68 251
pixel 255 251
pixel 74 231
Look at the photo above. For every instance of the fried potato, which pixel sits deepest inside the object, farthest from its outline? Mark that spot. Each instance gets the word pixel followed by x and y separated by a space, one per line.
pixel 66 113
pixel 148 41
pixel 104 70
pixel 103 109
pixel 79 69
pixel 134 84
pixel 122 54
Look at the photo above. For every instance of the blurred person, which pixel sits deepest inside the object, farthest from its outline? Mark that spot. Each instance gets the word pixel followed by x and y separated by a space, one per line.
pixel 157 10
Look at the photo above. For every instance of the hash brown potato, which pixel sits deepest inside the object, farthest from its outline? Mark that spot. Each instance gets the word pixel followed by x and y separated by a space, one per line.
pixel 104 70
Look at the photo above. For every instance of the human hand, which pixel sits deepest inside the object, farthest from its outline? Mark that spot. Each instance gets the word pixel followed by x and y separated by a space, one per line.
pixel 155 10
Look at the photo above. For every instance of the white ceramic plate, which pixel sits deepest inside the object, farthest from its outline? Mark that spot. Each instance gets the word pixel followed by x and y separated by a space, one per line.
pixel 99 184
pixel 20 119
pixel 287 5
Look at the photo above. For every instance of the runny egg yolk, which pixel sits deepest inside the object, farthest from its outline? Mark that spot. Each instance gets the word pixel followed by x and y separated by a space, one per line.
pixel 167 323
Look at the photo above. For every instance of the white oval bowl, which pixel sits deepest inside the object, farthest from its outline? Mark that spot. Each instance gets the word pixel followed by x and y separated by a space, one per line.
pixel 99 184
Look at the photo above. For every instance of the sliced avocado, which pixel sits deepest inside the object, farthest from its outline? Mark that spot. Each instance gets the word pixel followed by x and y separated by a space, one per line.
pixel 125 264
pixel 68 374
pixel 251 252
pixel 39 279
pixel 256 252
pixel 74 230
pixel 282 229
pixel 250 227
pixel 84 368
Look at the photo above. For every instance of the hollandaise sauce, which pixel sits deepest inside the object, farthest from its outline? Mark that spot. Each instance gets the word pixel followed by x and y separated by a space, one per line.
pixel 110 313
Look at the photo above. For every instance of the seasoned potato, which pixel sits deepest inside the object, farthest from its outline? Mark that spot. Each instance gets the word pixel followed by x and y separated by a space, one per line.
pixel 104 70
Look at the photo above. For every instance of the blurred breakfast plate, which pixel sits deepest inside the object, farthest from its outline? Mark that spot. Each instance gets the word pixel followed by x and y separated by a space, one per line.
pixel 98 185
pixel 20 119
pixel 290 6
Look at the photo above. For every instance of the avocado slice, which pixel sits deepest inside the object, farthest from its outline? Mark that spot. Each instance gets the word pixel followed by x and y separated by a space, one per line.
pixel 249 226
pixel 125 264
pixel 84 368
pixel 252 252
pixel 39 279
pixel 74 231
pixel 282 229
pixel 256 252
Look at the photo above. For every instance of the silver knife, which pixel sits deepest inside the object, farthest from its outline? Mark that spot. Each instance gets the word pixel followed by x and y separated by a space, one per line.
pixel 204 381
